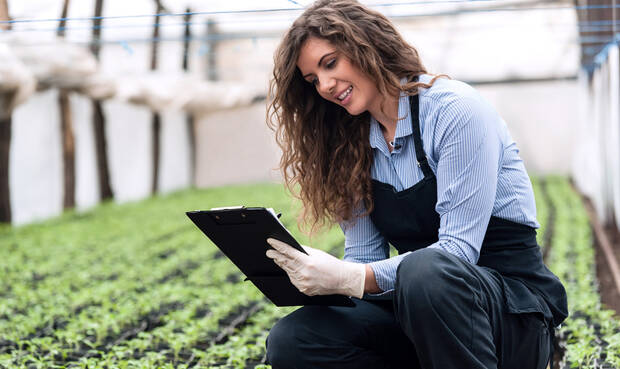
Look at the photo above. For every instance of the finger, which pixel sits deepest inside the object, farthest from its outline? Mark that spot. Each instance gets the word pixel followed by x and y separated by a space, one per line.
pixel 281 260
pixel 273 254
pixel 284 266
pixel 284 248
pixel 277 258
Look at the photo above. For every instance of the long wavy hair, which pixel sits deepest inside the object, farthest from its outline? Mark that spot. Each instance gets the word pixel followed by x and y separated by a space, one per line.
pixel 326 153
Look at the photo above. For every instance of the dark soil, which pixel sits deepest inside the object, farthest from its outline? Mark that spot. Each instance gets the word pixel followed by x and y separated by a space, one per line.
pixel 218 254
pixel 233 278
pixel 48 328
pixel 169 235
pixel 166 254
pixel 145 323
pixel 233 321
pixel 180 272
pixel 610 296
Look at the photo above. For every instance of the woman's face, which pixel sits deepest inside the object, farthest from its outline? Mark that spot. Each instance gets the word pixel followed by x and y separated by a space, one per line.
pixel 335 78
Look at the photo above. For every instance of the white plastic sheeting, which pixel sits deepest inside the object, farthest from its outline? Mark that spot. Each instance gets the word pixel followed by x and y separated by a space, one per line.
pixel 614 131
pixel 17 82
pixel 596 168
pixel 56 63
pixel 59 64
pixel 165 92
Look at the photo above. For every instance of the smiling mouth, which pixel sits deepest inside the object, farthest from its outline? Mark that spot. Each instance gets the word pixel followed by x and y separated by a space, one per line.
pixel 346 93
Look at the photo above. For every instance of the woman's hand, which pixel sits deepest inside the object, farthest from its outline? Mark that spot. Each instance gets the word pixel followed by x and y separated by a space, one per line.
pixel 318 273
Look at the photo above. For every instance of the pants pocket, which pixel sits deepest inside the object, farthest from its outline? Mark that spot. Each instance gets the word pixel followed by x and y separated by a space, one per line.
pixel 526 343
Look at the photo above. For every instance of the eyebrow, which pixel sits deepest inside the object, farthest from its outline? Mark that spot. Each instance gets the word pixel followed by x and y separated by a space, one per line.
pixel 320 61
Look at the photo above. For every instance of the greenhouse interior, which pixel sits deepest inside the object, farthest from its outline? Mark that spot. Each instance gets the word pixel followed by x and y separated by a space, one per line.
pixel 117 118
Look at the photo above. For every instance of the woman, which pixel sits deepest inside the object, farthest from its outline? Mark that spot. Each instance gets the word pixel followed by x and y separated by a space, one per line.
pixel 397 156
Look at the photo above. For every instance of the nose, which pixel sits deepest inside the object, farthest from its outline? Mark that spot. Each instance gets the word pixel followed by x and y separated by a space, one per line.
pixel 326 86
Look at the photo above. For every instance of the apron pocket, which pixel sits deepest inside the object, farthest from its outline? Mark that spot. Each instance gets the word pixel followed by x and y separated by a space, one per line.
pixel 520 299
pixel 525 342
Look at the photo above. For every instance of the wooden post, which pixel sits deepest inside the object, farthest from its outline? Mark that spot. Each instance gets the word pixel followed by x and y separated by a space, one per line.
pixel 4 15
pixel 5 138
pixel 614 16
pixel 590 16
pixel 101 146
pixel 63 21
pixel 66 130
pixel 68 149
pixel 190 121
pixel 5 149
pixel 212 72
pixel 156 117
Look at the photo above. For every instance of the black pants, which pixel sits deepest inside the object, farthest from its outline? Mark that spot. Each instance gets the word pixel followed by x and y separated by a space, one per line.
pixel 445 314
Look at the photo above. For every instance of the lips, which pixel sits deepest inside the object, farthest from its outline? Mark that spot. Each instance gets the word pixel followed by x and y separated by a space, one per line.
pixel 344 94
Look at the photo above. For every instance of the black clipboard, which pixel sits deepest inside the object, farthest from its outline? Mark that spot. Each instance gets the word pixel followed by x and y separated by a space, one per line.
pixel 241 234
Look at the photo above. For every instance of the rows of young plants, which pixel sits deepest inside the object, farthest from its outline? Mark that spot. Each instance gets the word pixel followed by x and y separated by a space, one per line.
pixel 590 336
pixel 135 286
pixel 139 286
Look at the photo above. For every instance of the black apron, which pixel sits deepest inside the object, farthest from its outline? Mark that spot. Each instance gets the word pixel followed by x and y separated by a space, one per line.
pixel 408 220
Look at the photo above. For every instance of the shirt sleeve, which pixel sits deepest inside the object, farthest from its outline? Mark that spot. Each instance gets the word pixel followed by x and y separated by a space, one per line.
pixel 469 149
pixel 363 243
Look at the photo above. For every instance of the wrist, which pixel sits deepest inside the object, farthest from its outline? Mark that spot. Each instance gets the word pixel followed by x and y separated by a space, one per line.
pixel 370 284
pixel 355 276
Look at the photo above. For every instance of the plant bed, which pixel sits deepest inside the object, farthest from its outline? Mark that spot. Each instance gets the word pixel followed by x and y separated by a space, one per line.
pixel 590 336
pixel 607 242
pixel 137 285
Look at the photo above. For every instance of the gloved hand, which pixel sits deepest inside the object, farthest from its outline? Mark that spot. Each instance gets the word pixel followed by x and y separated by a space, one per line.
pixel 318 273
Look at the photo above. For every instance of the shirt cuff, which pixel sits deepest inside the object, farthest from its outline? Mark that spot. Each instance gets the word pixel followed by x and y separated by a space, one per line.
pixel 465 253
pixel 385 272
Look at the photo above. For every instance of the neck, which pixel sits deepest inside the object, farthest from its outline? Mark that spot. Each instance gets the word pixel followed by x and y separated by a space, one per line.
pixel 388 117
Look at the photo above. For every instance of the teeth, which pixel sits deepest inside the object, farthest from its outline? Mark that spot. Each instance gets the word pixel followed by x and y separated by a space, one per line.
pixel 345 94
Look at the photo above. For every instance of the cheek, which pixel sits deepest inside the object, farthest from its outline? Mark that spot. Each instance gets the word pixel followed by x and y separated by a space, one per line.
pixel 323 95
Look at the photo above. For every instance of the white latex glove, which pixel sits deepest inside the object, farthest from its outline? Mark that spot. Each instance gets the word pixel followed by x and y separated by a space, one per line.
pixel 318 273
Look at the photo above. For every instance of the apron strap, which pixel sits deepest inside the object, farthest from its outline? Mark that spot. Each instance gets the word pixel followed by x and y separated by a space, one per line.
pixel 552 339
pixel 414 104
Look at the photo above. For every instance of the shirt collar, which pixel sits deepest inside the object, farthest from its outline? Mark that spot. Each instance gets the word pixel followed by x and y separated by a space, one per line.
pixel 403 126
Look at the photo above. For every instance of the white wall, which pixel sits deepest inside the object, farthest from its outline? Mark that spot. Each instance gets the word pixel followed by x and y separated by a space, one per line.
pixel 542 118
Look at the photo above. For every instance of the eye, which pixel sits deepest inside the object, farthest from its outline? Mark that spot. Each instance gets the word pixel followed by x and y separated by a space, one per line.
pixel 314 81
pixel 331 63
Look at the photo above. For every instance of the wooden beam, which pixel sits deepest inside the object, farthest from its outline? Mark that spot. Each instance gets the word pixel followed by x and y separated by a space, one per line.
pixel 189 121
pixel 95 46
pixel 212 72
pixel 63 21
pixel 5 150
pixel 4 15
pixel 587 15
pixel 5 139
pixel 604 243
pixel 99 125
pixel 68 149
pixel 66 129
pixel 156 118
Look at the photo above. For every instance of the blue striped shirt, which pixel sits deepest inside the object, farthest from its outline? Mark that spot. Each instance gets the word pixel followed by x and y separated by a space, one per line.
pixel 478 169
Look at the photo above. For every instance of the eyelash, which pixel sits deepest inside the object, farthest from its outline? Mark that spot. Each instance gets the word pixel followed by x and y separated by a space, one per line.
pixel 329 65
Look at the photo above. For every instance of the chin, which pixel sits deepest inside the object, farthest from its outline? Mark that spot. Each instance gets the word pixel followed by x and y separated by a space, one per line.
pixel 352 110
pixel 355 111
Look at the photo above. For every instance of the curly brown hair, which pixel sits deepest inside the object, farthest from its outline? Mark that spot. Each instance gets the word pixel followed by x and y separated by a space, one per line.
pixel 326 153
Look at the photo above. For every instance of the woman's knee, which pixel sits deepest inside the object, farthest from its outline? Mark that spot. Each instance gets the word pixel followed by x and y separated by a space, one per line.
pixel 425 277
pixel 419 266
